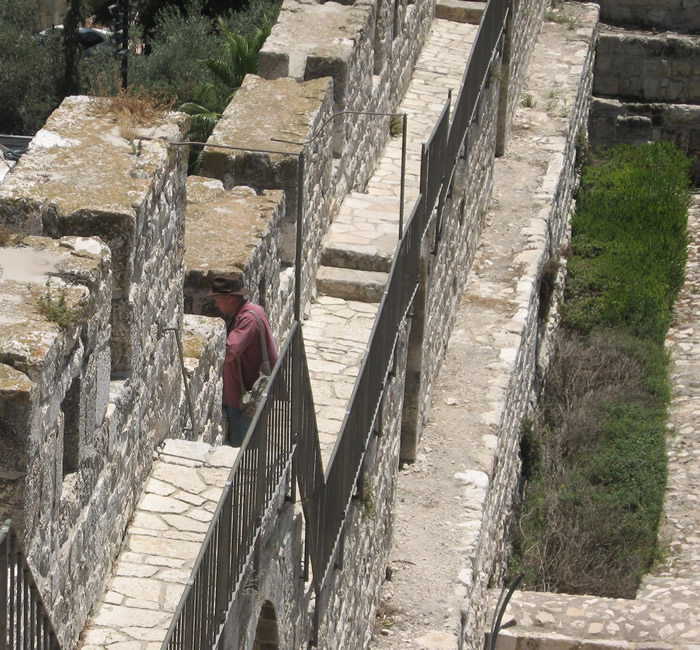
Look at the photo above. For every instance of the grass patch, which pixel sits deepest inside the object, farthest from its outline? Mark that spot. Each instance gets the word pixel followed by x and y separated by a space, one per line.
pixel 57 307
pixel 594 458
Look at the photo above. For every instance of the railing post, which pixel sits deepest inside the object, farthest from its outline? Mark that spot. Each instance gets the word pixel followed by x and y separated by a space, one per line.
pixel 223 569
pixel 300 238
pixel 403 174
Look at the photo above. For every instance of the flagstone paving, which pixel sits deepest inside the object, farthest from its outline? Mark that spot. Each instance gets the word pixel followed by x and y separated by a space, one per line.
pixel 160 547
pixel 365 233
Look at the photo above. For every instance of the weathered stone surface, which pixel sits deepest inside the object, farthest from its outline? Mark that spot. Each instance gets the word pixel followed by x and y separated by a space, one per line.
pixel 614 121
pixel 460 11
pixel 309 33
pixel 152 569
pixel 683 16
pixel 232 232
pixel 350 284
pixel 89 430
pixel 300 110
pixel 641 66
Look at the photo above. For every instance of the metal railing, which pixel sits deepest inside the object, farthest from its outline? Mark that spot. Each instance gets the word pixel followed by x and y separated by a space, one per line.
pixel 477 73
pixel 262 468
pixel 284 434
pixel 24 622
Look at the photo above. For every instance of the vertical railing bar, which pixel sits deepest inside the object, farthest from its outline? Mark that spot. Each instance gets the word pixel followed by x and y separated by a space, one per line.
pixel 4 587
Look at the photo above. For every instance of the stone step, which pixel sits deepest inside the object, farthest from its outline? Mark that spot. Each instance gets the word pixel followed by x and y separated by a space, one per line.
pixel 351 284
pixel 460 11
pixel 671 588
pixel 356 257
pixel 364 233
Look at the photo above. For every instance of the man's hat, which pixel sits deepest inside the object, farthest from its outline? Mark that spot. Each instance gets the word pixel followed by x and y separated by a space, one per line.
pixel 223 285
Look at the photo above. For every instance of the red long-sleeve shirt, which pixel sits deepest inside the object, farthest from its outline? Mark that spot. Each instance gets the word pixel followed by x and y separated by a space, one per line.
pixel 243 342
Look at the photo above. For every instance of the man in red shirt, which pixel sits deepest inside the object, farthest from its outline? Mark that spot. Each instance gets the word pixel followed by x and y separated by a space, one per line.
pixel 242 343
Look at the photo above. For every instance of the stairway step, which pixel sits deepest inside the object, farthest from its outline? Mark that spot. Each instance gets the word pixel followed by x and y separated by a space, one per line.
pixel 460 11
pixel 356 257
pixel 351 284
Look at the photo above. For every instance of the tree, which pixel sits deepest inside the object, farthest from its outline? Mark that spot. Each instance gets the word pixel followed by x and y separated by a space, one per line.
pixel 30 69
pixel 71 48
pixel 239 57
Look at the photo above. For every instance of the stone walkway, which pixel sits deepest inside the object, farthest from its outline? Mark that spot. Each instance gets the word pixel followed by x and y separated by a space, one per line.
pixel 364 235
pixel 442 510
pixel 161 545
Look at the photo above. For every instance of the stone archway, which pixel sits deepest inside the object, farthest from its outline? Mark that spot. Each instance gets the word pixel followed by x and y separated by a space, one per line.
pixel 266 632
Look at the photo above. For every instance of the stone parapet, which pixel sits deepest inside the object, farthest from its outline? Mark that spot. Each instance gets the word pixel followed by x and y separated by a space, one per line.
pixel 114 385
pixel 369 49
pixel 82 177
pixel 233 232
pixel 203 343
pixel 501 323
pixel 640 66
pixel 665 618
pixel 54 363
pixel 524 23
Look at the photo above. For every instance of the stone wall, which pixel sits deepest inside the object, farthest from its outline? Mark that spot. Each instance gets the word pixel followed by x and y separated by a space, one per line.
pixel 647 88
pixel 524 22
pixel 288 110
pixel 448 253
pixel 615 122
pixel 85 462
pixel 506 337
pixel 233 232
pixel 674 15
pixel 638 66
pixel 346 619
pixel 273 605
pixel 369 49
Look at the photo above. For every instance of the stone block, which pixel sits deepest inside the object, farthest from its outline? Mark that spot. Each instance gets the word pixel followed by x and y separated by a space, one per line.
pixel 460 11
pixel 111 198
pixel 236 231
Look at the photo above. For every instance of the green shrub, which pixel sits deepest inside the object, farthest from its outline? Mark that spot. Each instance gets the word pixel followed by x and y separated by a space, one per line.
pixel 180 42
pixel 594 458
pixel 629 241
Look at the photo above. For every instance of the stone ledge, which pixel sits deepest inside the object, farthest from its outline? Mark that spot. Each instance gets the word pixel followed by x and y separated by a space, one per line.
pixel 460 11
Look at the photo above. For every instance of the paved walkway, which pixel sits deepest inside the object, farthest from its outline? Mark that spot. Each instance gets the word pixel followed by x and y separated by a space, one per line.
pixel 364 235
pixel 161 545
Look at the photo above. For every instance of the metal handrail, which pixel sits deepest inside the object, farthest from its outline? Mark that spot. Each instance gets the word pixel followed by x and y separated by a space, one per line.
pixel 24 621
pixel 261 469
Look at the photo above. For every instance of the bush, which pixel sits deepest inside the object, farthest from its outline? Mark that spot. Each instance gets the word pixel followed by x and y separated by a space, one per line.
pixel 594 458
pixel 589 520
pixel 30 70
pixel 180 42
pixel 629 241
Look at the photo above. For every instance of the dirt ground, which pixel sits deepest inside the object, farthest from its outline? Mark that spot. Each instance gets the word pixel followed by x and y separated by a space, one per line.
pixel 420 605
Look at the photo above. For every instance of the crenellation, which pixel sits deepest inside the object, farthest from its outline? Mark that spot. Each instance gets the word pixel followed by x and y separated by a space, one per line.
pixel 109 389
pixel 234 231
pixel 300 109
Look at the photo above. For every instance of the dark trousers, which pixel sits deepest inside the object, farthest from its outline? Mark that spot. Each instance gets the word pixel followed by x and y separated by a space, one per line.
pixel 237 425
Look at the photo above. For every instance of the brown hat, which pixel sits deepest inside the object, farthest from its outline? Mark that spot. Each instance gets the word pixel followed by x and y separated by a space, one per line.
pixel 227 285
